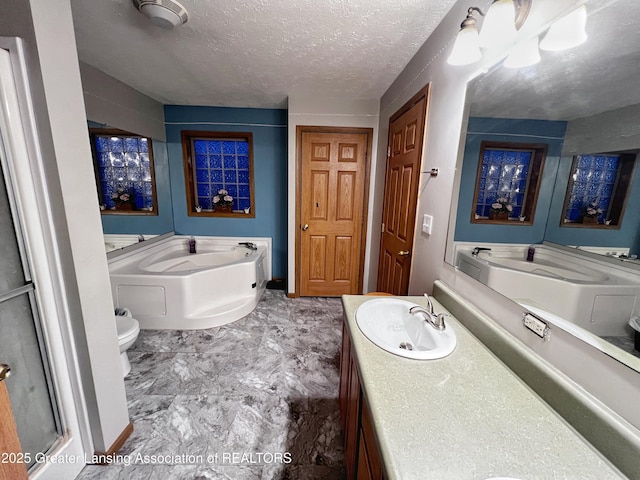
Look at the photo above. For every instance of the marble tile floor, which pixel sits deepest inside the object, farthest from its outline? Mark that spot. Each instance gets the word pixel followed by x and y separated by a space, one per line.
pixel 236 402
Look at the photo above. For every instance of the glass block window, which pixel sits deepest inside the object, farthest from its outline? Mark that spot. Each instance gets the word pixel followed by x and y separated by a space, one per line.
pixel 503 175
pixel 593 180
pixel 507 182
pixel 219 169
pixel 124 172
pixel 597 189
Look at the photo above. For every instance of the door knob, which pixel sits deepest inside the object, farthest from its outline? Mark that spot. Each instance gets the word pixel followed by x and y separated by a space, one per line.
pixel 306 227
pixel 5 371
pixel 404 253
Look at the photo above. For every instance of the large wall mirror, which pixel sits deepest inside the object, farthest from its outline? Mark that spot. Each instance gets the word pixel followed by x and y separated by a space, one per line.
pixel 127 228
pixel 584 105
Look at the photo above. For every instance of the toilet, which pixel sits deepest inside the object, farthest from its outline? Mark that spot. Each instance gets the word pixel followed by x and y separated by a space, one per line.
pixel 128 329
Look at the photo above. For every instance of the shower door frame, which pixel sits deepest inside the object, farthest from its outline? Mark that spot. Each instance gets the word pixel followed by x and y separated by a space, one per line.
pixel 25 176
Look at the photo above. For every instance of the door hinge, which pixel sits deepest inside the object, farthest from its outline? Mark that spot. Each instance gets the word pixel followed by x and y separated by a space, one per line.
pixel 388 152
pixel 383 227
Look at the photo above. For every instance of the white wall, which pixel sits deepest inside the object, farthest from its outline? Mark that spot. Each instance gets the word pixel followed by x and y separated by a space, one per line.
pixel 616 130
pixel 54 78
pixel 600 375
pixel 334 112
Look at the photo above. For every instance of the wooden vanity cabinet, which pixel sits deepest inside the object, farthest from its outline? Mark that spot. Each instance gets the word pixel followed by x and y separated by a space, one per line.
pixel 362 459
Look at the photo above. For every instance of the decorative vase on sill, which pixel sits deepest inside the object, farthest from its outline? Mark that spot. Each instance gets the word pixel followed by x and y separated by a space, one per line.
pixel 501 216
pixel 223 208
pixel 223 202
pixel 500 209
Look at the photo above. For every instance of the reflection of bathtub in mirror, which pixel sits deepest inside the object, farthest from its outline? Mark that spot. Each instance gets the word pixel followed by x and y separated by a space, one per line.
pixel 596 296
pixel 115 244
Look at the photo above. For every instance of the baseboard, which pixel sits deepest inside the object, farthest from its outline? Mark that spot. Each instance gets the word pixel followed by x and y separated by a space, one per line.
pixel 117 445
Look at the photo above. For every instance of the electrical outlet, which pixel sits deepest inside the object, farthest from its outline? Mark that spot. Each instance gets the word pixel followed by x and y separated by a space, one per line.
pixel 536 325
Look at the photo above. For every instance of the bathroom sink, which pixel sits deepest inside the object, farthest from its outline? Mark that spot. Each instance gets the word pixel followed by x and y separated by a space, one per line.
pixel 388 324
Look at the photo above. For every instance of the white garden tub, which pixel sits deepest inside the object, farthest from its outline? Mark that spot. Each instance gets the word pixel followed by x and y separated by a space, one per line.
pixel 166 287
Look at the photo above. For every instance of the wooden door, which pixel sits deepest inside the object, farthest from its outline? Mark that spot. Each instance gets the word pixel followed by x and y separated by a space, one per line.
pixel 406 133
pixel 14 468
pixel 332 209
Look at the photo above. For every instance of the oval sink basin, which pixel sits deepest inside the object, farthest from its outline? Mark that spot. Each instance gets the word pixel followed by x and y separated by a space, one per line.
pixel 389 325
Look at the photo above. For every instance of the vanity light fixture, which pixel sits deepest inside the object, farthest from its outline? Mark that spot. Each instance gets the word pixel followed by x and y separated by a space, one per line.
pixel 568 32
pixel 163 13
pixel 500 27
pixel 503 19
pixel 523 54
pixel 466 49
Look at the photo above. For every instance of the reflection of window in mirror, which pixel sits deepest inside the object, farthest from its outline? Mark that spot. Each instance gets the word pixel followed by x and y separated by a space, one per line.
pixel 508 182
pixel 219 173
pixel 597 190
pixel 124 172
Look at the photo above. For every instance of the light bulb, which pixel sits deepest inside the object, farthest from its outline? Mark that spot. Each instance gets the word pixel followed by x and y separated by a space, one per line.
pixel 568 32
pixel 465 49
pixel 499 25
pixel 523 54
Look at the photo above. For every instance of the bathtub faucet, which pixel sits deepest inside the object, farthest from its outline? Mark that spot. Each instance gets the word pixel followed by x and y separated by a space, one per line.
pixel 477 250
pixel 249 245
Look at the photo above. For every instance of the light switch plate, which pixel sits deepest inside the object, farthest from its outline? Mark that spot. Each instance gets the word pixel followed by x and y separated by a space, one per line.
pixel 427 222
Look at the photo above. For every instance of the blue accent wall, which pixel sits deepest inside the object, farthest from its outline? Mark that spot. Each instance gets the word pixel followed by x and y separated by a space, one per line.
pixel 516 131
pixel 269 131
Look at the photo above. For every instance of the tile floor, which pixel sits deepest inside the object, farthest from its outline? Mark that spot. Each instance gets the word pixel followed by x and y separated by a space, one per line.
pixel 229 402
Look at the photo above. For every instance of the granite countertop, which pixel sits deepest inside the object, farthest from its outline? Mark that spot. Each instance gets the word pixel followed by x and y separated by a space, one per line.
pixel 465 416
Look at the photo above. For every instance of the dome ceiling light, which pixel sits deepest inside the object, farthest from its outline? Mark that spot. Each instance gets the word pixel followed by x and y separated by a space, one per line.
pixel 163 13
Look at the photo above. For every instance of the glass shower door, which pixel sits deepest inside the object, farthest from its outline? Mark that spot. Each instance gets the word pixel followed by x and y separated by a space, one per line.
pixel 22 344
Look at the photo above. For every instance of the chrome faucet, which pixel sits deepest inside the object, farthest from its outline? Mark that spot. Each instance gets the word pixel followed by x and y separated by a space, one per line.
pixel 436 321
pixel 249 245
pixel 477 250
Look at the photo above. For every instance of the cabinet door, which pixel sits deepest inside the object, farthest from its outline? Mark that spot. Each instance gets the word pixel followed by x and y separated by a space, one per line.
pixel 345 365
pixel 364 470
pixel 370 444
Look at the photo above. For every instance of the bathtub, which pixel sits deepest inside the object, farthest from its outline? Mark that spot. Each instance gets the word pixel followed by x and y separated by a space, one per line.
pixel 597 297
pixel 166 287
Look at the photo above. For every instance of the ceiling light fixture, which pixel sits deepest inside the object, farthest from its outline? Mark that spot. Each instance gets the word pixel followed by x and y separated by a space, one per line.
pixel 163 13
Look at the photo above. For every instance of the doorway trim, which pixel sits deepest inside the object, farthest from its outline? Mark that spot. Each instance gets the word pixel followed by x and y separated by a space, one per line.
pixel 300 129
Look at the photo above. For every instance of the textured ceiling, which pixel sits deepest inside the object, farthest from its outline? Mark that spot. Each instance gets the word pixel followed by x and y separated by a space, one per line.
pixel 601 75
pixel 255 53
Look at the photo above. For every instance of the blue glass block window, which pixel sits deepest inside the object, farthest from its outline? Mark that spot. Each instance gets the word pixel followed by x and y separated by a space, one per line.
pixel 503 175
pixel 220 166
pixel 591 188
pixel 507 182
pixel 124 171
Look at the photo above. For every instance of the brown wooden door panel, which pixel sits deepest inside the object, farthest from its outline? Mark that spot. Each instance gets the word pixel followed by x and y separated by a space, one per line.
pixel 408 200
pixel 333 167
pixel 9 442
pixel 406 132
